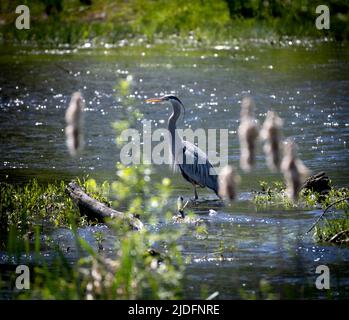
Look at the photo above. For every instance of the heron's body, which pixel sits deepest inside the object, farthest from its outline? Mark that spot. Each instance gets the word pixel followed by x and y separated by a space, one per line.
pixel 197 173
pixel 192 162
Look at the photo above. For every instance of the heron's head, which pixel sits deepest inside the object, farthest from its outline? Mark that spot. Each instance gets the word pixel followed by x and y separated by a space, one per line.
pixel 176 103
pixel 168 97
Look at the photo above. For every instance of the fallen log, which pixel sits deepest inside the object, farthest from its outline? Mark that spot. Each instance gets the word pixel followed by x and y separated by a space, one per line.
pixel 96 210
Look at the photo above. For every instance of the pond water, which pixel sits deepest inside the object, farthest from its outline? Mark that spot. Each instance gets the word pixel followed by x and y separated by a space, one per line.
pixel 307 84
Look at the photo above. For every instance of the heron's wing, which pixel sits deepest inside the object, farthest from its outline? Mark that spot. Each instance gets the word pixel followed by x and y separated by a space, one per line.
pixel 196 167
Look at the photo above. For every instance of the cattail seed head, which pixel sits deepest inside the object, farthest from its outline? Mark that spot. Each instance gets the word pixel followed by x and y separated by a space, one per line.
pixel 293 169
pixel 248 132
pixel 247 107
pixel 73 118
pixel 272 135
pixel 228 180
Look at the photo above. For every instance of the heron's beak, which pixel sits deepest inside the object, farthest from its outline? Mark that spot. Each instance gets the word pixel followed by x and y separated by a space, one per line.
pixel 154 100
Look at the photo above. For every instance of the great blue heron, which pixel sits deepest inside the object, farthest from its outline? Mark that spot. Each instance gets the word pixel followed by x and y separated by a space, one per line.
pixel 194 164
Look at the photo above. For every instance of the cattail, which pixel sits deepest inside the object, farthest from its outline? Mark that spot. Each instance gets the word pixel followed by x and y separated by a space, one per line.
pixel 73 118
pixel 295 172
pixel 271 134
pixel 228 180
pixel 247 107
pixel 248 134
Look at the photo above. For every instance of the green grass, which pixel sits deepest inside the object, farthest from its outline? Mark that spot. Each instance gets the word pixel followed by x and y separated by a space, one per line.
pixel 24 206
pixel 271 195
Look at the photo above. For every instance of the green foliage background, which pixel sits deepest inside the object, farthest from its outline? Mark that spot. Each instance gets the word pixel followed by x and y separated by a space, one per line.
pixel 73 21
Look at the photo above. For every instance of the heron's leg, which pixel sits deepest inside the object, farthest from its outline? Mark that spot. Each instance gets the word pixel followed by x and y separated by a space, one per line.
pixel 195 192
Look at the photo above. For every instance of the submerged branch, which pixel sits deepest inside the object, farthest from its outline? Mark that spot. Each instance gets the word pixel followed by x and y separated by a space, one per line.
pixel 96 210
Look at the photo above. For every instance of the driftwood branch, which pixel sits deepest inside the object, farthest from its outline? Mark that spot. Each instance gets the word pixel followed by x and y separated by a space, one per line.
pixel 96 210
pixel 325 211
pixel 340 237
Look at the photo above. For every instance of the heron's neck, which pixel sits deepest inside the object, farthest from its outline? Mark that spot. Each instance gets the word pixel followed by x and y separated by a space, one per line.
pixel 172 123
pixel 175 139
pixel 172 120
pixel 175 114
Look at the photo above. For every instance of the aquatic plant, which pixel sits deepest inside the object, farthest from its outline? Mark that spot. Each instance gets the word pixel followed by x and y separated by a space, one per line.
pixel 272 195
pixel 335 230
pixel 132 114
pixel 24 206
